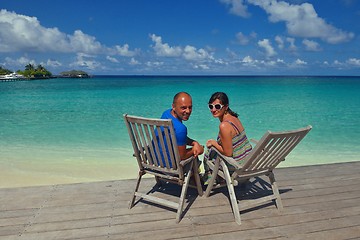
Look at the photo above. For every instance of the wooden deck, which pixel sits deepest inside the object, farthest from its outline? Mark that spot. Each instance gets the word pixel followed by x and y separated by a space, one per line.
pixel 320 202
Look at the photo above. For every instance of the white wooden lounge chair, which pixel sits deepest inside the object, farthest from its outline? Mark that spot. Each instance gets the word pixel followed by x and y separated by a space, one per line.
pixel 157 153
pixel 265 156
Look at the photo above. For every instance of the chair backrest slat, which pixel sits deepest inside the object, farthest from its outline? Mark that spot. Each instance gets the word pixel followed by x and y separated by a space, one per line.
pixel 162 146
pixel 264 154
pixel 274 156
pixel 144 139
pixel 272 149
pixel 288 144
pixel 170 149
pixel 138 142
pixel 149 129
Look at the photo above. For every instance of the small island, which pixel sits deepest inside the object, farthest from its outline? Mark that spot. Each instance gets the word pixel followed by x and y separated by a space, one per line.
pixel 74 74
pixel 36 73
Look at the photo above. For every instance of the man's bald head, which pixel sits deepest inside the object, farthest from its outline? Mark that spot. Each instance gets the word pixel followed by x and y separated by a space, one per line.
pixel 182 106
pixel 180 95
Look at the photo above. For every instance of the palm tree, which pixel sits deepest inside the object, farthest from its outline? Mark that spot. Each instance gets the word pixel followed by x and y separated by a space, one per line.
pixel 29 67
pixel 40 68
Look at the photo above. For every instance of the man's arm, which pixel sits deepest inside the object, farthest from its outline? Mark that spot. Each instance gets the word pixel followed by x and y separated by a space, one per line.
pixel 184 140
pixel 196 149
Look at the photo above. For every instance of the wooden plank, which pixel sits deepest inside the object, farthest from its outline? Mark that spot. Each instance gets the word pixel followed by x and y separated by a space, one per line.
pixel 320 202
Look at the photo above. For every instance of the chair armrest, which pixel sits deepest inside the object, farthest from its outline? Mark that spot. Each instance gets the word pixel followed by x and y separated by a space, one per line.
pixel 227 159
pixel 254 141
pixel 186 161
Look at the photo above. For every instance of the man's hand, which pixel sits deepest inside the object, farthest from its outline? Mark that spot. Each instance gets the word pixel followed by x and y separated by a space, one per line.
pixel 197 149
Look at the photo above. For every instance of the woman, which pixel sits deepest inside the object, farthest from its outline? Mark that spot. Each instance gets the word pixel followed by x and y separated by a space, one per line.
pixel 232 140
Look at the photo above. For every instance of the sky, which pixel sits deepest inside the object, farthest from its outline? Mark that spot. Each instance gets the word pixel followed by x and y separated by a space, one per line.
pixel 182 37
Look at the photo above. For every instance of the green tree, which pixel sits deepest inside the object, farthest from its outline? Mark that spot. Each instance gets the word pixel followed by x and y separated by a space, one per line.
pixel 4 71
pixel 29 67
pixel 38 72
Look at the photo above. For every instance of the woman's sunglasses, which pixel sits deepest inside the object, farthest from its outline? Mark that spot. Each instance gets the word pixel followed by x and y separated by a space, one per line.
pixel 217 106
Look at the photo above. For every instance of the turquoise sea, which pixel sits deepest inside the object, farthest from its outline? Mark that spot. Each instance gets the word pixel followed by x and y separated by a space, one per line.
pixel 72 130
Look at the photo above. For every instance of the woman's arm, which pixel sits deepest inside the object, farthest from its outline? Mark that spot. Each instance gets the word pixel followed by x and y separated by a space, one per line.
pixel 225 134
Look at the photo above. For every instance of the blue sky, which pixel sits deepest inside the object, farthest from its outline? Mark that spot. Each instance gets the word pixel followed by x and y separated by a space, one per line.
pixel 182 37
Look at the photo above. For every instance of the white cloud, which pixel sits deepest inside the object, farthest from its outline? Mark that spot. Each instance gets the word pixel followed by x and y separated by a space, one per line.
pixel 349 63
pixel 291 41
pixel 353 61
pixel 133 61
pixel 221 61
pixel 163 49
pixel 52 63
pixel 191 53
pixel 20 32
pixel 249 61
pixel 154 64
pixel 86 61
pixel 84 43
pixel 124 51
pixel 237 7
pixel 242 39
pixel 280 61
pixel 112 59
pixel 302 21
pixel 23 33
pixel 266 45
pixel 201 66
pixel 269 63
pixel 231 53
pixel 280 42
pixel 311 45
pixel 19 63
pixel 337 62
pixel 260 64
pixel 300 62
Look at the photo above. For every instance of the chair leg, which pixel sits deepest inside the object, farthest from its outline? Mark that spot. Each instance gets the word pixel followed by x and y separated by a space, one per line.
pixel 275 191
pixel 233 200
pixel 183 194
pixel 197 177
pixel 132 201
pixel 213 177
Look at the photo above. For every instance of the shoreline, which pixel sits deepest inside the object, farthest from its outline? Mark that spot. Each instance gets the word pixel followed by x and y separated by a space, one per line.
pixel 40 175
pixel 16 178
pixel 40 166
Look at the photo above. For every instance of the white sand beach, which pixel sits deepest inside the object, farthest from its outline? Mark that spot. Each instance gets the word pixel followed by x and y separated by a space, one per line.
pixel 39 173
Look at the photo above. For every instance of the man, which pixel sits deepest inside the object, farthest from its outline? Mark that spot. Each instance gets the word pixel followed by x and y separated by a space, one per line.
pixel 181 111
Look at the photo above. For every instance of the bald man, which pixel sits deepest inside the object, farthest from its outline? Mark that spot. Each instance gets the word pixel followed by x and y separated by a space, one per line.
pixel 181 111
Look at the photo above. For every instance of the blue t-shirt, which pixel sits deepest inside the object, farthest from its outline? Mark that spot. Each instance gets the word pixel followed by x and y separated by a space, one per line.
pixel 180 134
pixel 180 128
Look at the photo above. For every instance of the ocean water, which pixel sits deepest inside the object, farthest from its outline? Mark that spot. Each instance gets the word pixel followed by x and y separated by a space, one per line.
pixel 72 130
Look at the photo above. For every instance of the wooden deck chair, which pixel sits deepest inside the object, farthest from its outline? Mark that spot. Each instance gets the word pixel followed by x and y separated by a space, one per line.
pixel 265 156
pixel 157 153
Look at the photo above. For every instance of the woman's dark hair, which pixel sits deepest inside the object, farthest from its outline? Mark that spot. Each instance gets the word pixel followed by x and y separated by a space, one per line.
pixel 224 100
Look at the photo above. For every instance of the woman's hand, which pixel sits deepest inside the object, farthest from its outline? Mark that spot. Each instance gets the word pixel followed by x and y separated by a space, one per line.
pixel 210 143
